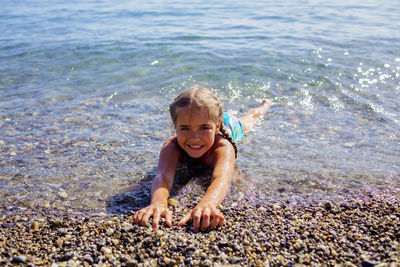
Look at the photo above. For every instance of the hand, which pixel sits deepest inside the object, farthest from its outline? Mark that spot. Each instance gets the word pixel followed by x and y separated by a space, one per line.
pixel 156 211
pixel 203 212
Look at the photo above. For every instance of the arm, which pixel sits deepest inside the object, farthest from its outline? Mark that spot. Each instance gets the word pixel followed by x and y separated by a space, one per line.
pixel 206 209
pixel 161 186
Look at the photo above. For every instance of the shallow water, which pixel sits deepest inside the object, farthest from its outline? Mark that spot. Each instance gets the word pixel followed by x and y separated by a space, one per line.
pixel 85 89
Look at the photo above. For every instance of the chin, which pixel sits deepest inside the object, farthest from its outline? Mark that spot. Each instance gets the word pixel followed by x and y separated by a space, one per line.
pixel 195 156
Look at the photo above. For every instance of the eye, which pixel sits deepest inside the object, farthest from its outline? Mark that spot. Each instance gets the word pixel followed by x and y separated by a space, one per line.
pixel 205 127
pixel 183 128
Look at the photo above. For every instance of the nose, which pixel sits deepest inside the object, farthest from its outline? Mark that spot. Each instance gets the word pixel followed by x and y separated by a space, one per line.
pixel 194 135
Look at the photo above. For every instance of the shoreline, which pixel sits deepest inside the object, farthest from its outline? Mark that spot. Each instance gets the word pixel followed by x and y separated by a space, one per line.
pixel 333 234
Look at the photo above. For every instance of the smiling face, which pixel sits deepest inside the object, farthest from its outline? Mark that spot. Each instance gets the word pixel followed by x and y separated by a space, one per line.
pixel 195 131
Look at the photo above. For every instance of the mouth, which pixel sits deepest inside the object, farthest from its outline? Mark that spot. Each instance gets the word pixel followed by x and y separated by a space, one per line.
pixel 195 147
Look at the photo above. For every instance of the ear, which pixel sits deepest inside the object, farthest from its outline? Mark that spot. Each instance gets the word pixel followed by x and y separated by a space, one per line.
pixel 218 126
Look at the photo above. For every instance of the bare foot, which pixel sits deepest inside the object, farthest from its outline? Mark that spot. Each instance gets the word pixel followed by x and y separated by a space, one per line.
pixel 250 117
pixel 265 106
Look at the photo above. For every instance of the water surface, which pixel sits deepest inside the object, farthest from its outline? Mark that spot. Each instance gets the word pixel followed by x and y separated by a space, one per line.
pixel 85 89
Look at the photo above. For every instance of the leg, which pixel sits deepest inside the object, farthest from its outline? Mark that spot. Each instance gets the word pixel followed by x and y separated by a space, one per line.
pixel 253 114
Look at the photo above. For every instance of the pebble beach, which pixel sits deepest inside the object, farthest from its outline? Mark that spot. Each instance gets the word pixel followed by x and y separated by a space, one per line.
pixel 350 233
pixel 85 88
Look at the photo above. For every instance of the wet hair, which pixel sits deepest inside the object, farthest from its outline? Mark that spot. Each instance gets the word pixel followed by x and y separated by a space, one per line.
pixel 198 97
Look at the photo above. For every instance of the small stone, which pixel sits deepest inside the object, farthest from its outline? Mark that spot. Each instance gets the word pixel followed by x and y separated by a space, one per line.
pixel 223 243
pixel 35 226
pixel 172 202
pixel 280 258
pixel 19 259
pixel 132 263
pixel 167 260
pixel 335 211
pixel 59 242
pixel 276 207
pixel 328 205
pixel 159 252
pixel 344 205
pixel 110 231
pixel 367 263
pixel 262 209
pixel 189 261
pixel 126 226
pixel 106 250
pixel 207 262
pixel 67 256
pixel 349 264
pixel 159 233
pixel 88 258
pixel 62 194
pixel 62 231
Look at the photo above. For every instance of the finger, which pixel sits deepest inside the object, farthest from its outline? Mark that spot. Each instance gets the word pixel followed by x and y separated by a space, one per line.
pixel 214 222
pixel 156 218
pixel 168 217
pixel 185 219
pixel 135 217
pixel 196 220
pixel 146 217
pixel 205 220
pixel 221 220
pixel 138 216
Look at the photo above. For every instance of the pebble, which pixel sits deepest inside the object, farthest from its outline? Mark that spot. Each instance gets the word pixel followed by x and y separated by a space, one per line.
pixel 269 235
pixel 159 233
pixel 35 226
pixel 88 259
pixel 207 262
pixel 167 260
pixel 127 227
pixel 172 202
pixel 62 194
pixel 59 242
pixel 106 250
pixel 19 259
pixel 367 263
pixel 328 205
pixel 276 207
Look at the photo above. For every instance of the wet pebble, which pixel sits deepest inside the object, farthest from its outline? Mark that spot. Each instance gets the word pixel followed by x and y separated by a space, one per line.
pixel 159 233
pixel 19 259
pixel 35 226
pixel 278 234
pixel 172 202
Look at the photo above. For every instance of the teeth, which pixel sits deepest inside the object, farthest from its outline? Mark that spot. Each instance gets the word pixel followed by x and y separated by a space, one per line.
pixel 195 146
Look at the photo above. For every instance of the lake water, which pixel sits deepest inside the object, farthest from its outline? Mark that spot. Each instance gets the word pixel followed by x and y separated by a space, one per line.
pixel 85 88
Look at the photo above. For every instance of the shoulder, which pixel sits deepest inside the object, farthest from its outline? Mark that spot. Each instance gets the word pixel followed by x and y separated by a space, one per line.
pixel 222 145
pixel 220 140
pixel 171 149
pixel 171 139
pixel 171 145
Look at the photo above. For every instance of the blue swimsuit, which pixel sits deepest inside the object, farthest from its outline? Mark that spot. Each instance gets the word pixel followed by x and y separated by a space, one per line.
pixel 234 126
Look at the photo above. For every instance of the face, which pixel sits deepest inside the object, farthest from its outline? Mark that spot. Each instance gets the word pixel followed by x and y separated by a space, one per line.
pixel 195 131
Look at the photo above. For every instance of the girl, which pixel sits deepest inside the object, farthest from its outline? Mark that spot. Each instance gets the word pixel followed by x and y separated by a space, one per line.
pixel 205 135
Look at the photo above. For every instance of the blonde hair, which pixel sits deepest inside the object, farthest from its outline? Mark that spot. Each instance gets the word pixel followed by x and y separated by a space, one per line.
pixel 198 97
